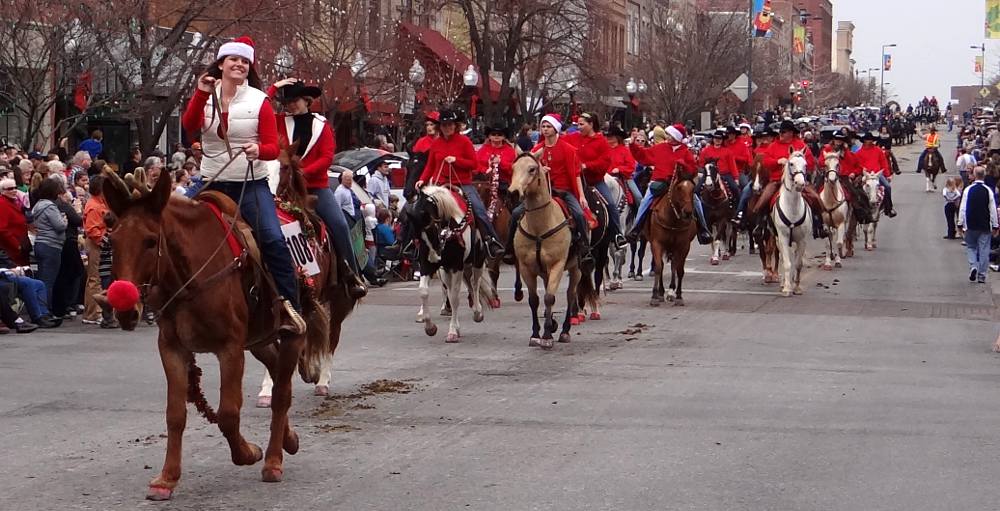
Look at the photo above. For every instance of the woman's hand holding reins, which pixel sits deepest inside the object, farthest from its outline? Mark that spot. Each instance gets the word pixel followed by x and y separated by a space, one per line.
pixel 206 83
pixel 251 150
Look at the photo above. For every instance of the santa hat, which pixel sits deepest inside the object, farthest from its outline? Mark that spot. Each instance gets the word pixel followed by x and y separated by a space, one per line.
pixel 240 47
pixel 677 131
pixel 555 120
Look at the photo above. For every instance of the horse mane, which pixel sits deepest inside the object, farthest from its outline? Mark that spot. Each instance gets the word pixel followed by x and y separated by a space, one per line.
pixel 446 204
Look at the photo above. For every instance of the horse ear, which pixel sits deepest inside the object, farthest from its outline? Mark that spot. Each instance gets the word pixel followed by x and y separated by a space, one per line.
pixel 160 194
pixel 537 154
pixel 116 192
pixel 791 150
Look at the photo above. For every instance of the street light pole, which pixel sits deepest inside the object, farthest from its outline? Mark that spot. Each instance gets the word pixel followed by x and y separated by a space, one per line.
pixel 882 80
pixel 630 88
pixel 982 66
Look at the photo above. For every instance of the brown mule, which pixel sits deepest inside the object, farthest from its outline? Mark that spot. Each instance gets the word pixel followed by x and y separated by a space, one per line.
pixel 670 229
pixel 174 250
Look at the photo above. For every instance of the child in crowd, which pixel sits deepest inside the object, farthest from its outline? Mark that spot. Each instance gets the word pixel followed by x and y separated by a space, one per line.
pixel 104 272
pixel 952 198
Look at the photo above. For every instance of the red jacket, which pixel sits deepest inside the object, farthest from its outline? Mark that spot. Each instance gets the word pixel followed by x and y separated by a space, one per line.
pixel 664 158
pixel 460 172
pixel 873 159
pixel 319 151
pixel 724 159
pixel 779 150
pixel 506 154
pixel 13 229
pixel 741 155
pixel 594 153
pixel 563 164
pixel 622 161
pixel 424 143
pixel 848 161
pixel 746 139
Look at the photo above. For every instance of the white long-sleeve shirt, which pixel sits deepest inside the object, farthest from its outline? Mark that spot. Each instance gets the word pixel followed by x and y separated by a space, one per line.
pixel 965 163
pixel 344 199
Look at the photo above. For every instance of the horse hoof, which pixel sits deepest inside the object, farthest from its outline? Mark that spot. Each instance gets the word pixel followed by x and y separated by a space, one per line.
pixel 264 402
pixel 534 342
pixel 654 303
pixel 869 249
pixel 714 261
pixel 271 475
pixel 546 344
pixel 582 317
pixel 478 317
pixel 678 302
pixel 797 291
pixel 575 321
pixel 446 312
pixel 321 390
pixel 431 330
pixel 670 298
pixel 838 264
pixel 291 443
pixel 631 274
pixel 638 277
pixel 159 493
pixel 786 293
pixel 564 337
pixel 518 295
pixel 827 267
pixel 595 316
pixel 725 257
pixel 452 338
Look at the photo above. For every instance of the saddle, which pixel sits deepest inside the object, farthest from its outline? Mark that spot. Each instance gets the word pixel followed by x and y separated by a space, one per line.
pixel 626 190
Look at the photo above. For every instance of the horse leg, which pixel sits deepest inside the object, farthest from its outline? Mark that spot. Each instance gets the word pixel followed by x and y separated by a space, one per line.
pixel 786 261
pixel 532 281
pixel 571 298
pixel 494 269
pixel 716 247
pixel 828 264
pixel 642 255
pixel 477 295
pixel 175 367
pixel 446 305
pixel 800 254
pixel 677 270
pixel 282 436
pixel 657 297
pixel 518 291
pixel 267 354
pixel 325 373
pixel 551 287
pixel 424 290
pixel 631 259
pixel 231 401
pixel 454 290
pixel 839 233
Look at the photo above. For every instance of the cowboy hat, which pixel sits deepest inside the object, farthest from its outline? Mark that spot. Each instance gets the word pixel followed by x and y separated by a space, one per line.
pixel 296 90
pixel 787 125
pixel 616 131
pixel 496 130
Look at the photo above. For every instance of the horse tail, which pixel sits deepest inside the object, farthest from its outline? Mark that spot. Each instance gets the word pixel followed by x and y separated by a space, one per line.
pixel 195 394
pixel 586 292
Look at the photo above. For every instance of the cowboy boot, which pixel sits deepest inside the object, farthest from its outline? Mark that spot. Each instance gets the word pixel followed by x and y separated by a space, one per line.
pixel 291 320
pixel 819 229
pixel 356 287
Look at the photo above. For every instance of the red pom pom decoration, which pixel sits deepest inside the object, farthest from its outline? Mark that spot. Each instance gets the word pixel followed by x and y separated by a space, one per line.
pixel 123 295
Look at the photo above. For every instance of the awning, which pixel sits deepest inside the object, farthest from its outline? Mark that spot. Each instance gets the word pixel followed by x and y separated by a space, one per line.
pixel 430 45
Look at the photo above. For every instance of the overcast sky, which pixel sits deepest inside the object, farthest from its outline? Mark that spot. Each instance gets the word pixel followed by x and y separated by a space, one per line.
pixel 933 37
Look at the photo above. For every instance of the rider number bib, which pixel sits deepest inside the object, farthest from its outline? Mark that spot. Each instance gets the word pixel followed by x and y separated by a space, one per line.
pixel 299 247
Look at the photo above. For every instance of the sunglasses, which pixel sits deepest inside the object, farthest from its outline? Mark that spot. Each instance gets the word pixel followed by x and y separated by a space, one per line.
pixel 11 189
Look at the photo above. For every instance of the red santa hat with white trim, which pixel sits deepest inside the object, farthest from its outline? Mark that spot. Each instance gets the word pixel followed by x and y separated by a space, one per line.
pixel 555 120
pixel 240 47
pixel 677 131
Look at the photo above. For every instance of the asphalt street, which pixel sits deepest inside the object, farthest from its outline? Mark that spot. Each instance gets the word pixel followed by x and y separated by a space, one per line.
pixel 873 391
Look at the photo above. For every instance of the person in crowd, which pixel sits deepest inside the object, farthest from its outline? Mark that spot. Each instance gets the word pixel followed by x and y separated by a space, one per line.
pixel 50 226
pixel 524 141
pixel 345 198
pixel 952 199
pixel 965 163
pixel 94 229
pixel 93 145
pixel 181 181
pixel 418 154
pixel 153 166
pixel 378 183
pixel 178 157
pixel 134 160
pixel 385 239
pixel 104 272
pixel 394 206
pixel 977 217
pixel 371 221
pixel 78 165
pixel 66 296
pixel 13 224
pixel 81 187
pixel 30 291
pixel 244 120
pixel 23 177
pixel 96 167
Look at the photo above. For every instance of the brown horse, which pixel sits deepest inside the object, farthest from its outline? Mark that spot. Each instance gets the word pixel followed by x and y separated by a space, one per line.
pixel 670 229
pixel 760 230
pixel 211 301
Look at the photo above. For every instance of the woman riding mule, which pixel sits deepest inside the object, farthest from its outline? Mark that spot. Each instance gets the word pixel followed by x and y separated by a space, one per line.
pixel 236 125
pixel 311 136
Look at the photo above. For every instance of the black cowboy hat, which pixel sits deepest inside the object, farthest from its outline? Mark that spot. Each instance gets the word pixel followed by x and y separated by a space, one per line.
pixel 869 136
pixel 616 131
pixel 719 133
pixel 448 115
pixel 787 125
pixel 731 130
pixel 496 130
pixel 764 132
pixel 839 135
pixel 296 90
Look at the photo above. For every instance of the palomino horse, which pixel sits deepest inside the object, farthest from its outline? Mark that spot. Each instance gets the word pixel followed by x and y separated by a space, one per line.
pixel 933 165
pixel 670 229
pixel 836 211
pixel 760 229
pixel 211 301
pixel 715 195
pixel 872 188
pixel 449 242
pixel 543 244
pixel 792 222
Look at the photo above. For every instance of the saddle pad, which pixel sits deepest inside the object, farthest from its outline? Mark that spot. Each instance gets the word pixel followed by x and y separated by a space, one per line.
pixel 460 199
pixel 234 245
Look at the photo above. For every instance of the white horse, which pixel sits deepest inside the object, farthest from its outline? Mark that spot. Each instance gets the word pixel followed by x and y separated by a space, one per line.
pixel 618 255
pixel 792 221
pixel 836 211
pixel 874 192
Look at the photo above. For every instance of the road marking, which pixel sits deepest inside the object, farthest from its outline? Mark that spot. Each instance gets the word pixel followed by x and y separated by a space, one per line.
pixel 646 290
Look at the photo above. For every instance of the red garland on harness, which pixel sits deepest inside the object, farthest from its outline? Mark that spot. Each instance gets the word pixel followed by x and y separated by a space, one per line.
pixel 288 213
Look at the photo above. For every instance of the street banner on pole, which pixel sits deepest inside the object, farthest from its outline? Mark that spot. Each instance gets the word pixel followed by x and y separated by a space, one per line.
pixel 800 40
pixel 762 17
pixel 979 63
pixel 887 62
pixel 993 19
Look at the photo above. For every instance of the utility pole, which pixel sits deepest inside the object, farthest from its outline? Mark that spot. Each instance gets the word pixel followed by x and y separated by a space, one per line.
pixel 881 101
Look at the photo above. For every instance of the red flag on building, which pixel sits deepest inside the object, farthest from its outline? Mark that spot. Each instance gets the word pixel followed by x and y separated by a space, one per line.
pixel 81 93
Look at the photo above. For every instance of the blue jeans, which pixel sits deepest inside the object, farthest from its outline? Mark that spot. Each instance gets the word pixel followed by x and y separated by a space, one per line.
pixel 734 189
pixel 605 192
pixel 657 188
pixel 49 259
pixel 259 211
pixel 884 181
pixel 31 291
pixel 479 211
pixel 977 248
pixel 634 188
pixel 336 224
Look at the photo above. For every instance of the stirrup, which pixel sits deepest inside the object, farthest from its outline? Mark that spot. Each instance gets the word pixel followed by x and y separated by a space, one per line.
pixel 294 325
pixel 356 288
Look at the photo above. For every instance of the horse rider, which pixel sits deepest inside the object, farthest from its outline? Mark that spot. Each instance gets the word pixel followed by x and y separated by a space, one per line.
pixel 595 160
pixel 740 149
pixel 746 135
pixel 238 135
pixel 315 149
pixel 775 159
pixel 564 177
pixel 622 163
pixel 451 160
pixel 932 143
pixel 872 158
pixel 497 149
pixel 724 159
pixel 850 172
pixel 419 152
pixel 665 158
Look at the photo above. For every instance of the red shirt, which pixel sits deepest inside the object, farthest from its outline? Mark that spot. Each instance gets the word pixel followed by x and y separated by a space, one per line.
pixel 563 164
pixel 664 158
pixel 622 161
pixel 723 157
pixel 267 129
pixel 458 173
pixel 741 154
pixel 506 154
pixel 873 159
pixel 594 152
pixel 746 139
pixel 13 229
pixel 423 144
pixel 779 150
pixel 848 161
